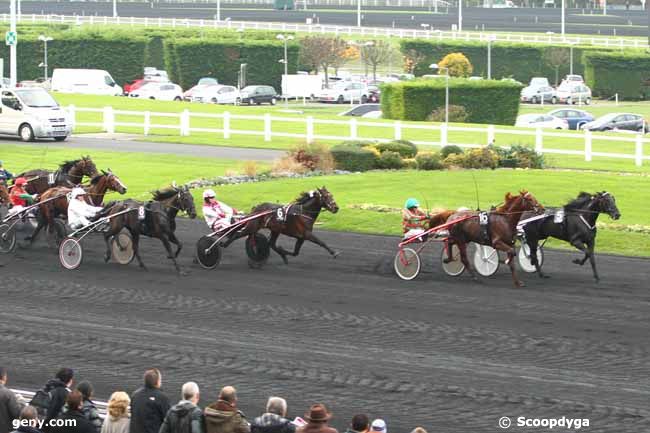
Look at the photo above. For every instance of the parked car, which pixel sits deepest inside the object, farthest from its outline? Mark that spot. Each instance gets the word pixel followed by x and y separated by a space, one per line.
pixel 259 95
pixel 5 83
pixel 218 95
pixel 132 85
pixel 618 122
pixel 153 74
pixel 86 81
pixel 374 94
pixel 345 92
pixel 541 121
pixel 537 94
pixel 362 110
pixel 571 93
pixel 573 78
pixel 202 84
pixel 31 113
pixel 159 91
pixel 575 118
pixel 539 81
pixel 39 82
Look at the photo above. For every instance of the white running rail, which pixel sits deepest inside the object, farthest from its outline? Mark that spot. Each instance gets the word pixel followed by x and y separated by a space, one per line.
pixel 27 396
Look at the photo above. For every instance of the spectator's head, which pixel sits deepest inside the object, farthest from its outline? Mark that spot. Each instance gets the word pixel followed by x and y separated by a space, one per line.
pixel 418 430
pixel 318 413
pixel 86 389
pixel 378 426
pixel 118 405
pixel 229 394
pixel 277 405
pixel 74 400
pixel 3 375
pixel 65 375
pixel 360 422
pixel 152 378
pixel 190 392
pixel 29 412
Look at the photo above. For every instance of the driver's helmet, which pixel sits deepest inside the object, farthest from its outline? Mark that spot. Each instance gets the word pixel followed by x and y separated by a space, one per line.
pixel 76 192
pixel 411 203
pixel 209 193
pixel 20 181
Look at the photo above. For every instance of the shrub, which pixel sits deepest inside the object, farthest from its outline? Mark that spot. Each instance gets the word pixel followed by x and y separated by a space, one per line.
pixel 405 148
pixel 458 65
pixel 309 155
pixel 250 168
pixel 288 165
pixel 454 160
pixel 518 157
pixel 410 163
pixel 429 161
pixel 358 143
pixel 603 72
pixel 390 160
pixel 483 157
pixel 457 113
pixel 450 149
pixel 352 158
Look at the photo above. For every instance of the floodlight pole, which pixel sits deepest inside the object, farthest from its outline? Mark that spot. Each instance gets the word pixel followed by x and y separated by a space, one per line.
pixel 13 74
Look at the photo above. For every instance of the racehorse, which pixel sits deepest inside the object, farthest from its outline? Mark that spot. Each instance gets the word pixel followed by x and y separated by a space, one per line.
pixel 4 195
pixel 69 174
pixel 501 229
pixel 578 227
pixel 295 220
pixel 158 220
pixel 99 186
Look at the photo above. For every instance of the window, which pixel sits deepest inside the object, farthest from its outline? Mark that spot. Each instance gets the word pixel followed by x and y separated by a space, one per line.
pixel 620 118
pixel 9 99
pixel 108 80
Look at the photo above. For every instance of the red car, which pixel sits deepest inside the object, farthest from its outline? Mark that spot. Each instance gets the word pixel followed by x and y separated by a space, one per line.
pixel 130 86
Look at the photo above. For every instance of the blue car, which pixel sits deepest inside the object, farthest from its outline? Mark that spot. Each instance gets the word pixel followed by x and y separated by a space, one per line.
pixel 575 118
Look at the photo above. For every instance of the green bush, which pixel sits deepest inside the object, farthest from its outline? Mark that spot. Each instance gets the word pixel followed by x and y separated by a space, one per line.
pixel 457 114
pixel 404 148
pixel 483 157
pixel 390 160
pixel 449 149
pixel 429 161
pixel 518 157
pixel 604 73
pixel 358 143
pixel 352 158
pixel 410 163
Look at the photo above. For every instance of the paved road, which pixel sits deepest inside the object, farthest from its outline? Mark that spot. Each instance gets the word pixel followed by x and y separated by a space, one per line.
pixel 449 354
pixel 619 22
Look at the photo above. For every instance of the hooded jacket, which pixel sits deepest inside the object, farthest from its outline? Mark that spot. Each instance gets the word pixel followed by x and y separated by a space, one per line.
pixel 183 412
pixel 148 409
pixel 59 392
pixel 223 417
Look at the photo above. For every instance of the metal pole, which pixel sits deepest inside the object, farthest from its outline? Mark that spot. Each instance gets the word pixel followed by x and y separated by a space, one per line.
pixel 218 10
pixel 12 55
pixel 571 57
pixel 45 59
pixel 359 13
pixel 286 60
pixel 563 17
pixel 446 96
pixel 604 7
pixel 114 8
pixel 460 15
pixel 489 60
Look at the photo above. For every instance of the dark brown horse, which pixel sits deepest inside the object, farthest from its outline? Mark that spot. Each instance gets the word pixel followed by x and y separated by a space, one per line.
pixel 69 174
pixel 501 229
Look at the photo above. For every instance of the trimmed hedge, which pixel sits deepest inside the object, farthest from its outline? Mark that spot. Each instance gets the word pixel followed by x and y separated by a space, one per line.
pixel 404 148
pixel 353 158
pixel 625 73
pixel 415 100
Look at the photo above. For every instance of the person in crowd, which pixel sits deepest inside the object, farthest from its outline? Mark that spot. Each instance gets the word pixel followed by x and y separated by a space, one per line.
pixel 10 406
pixel 4 175
pixel 29 414
pixel 378 426
pixel 57 389
pixel 149 405
pixel 72 421
pixel 360 424
pixel 117 418
pixel 274 420
pixel 217 214
pixel 413 219
pixel 185 413
pixel 223 416
pixel 89 409
pixel 80 213
pixel 317 419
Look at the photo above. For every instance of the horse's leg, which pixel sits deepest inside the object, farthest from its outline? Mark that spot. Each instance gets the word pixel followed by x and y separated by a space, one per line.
pixel 279 250
pixel 297 246
pixel 533 246
pixel 168 247
pixel 462 248
pixel 135 237
pixel 179 245
pixel 310 236
pixel 112 231
pixel 592 258
pixel 579 244
pixel 510 251
pixel 39 226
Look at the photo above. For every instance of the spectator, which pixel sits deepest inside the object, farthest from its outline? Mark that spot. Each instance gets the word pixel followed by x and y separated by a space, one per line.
pixel 222 416
pixel 4 175
pixel 360 424
pixel 148 404
pixel 378 426
pixel 186 416
pixel 419 430
pixel 57 391
pixel 89 409
pixel 29 414
pixel 317 418
pixel 9 405
pixel 117 419
pixel 73 421
pixel 274 420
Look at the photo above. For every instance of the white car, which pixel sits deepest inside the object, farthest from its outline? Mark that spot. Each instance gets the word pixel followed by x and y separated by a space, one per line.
pixel 541 121
pixel 539 81
pixel 574 79
pixel 218 95
pixel 574 93
pixel 345 92
pixel 537 94
pixel 202 84
pixel 31 113
pixel 159 91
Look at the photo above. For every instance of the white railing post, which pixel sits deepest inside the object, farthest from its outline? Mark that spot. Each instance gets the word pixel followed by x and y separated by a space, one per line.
pixel 539 140
pixel 310 129
pixel 147 122
pixel 443 134
pixel 185 123
pixel 267 127
pixel 226 125
pixel 638 150
pixel 587 145
pixel 353 129
pixel 109 120
pixel 398 130
pixel 490 134
pixel 72 113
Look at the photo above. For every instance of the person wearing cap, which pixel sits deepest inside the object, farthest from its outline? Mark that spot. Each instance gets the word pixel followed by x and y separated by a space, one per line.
pixel 378 426
pixel 218 215
pixel 18 197
pixel 80 213
pixel 317 418
pixel 4 175
pixel 413 219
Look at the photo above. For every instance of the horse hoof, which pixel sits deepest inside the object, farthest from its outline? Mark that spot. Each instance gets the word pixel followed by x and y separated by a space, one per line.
pixel 284 259
pixel 577 261
pixel 335 254
pixel 519 284
pixel 545 276
pixel 106 258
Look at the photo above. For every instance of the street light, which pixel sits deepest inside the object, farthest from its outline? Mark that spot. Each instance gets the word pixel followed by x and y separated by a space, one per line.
pixel 563 19
pixel 435 66
pixel 571 45
pixel 359 13
pixel 114 8
pixel 286 39
pixel 45 40
pixel 490 39
pixel 460 15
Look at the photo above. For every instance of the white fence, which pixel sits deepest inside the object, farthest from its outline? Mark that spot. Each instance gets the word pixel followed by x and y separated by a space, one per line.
pixel 349 130
pixel 337 30
pixel 28 395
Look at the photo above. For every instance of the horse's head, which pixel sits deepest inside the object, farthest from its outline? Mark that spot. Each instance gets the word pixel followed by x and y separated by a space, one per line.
pixel 522 202
pixel 186 201
pixel 113 182
pixel 327 200
pixel 87 166
pixel 606 203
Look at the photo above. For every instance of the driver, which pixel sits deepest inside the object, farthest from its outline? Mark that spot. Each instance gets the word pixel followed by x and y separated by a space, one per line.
pixel 413 219
pixel 218 215
pixel 19 197
pixel 80 213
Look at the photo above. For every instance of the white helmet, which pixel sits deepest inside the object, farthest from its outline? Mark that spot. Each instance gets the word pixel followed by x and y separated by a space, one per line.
pixel 209 193
pixel 76 192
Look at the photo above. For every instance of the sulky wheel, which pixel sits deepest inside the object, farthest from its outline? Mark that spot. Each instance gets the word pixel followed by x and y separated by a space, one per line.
pixel 455 266
pixel 523 257
pixel 207 253
pixel 258 250
pixel 70 253
pixel 486 260
pixel 7 239
pixel 122 248
pixel 407 264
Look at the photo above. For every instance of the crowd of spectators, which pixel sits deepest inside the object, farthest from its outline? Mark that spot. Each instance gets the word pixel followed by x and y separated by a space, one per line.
pixel 61 408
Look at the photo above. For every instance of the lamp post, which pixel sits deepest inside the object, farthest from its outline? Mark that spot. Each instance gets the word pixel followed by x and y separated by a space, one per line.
pixel 45 40
pixel 436 67
pixel 490 39
pixel 12 53
pixel 114 8
pixel 286 39
pixel 571 57
pixel 359 13
pixel 460 15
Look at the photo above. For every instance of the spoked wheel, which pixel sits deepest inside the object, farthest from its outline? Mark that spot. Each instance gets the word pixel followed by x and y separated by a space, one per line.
pixel 407 264
pixel 56 233
pixel 70 253
pixel 208 254
pixel 455 266
pixel 258 250
pixel 7 239
pixel 486 260
pixel 523 257
pixel 122 248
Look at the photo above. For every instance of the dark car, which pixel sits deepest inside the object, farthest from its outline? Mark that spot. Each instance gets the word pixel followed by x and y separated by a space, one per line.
pixel 575 118
pixel 258 95
pixel 374 93
pixel 618 122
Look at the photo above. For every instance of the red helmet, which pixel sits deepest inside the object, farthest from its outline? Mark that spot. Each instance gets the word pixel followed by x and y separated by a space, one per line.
pixel 20 181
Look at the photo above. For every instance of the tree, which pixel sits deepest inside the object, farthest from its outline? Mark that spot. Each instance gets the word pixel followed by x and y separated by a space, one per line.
pixel 412 59
pixel 375 53
pixel 556 57
pixel 323 52
pixel 457 64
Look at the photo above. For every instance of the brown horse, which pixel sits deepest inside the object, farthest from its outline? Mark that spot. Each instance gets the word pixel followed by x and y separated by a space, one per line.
pixel 4 195
pixel 501 229
pixel 69 174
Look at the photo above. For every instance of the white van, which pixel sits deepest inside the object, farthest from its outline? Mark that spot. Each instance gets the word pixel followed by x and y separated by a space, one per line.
pixel 85 81
pixel 31 113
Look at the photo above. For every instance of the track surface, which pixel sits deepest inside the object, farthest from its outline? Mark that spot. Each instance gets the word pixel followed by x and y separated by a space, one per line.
pixel 578 21
pixel 449 354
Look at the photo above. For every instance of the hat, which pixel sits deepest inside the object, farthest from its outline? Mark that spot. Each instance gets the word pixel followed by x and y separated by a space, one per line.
pixel 76 192
pixel 208 193
pixel 20 181
pixel 378 425
pixel 317 413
